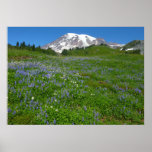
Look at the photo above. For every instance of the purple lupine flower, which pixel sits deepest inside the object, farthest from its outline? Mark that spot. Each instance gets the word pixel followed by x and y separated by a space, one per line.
pixel 67 94
pixel 14 112
pixel 128 112
pixel 54 122
pixel 123 97
pixel 138 90
pixel 31 85
pixel 9 110
pixel 97 114
pixel 85 108
pixel 43 84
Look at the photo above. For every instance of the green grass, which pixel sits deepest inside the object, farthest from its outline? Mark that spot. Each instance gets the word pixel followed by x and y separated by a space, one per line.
pixel 98 85
pixel 92 51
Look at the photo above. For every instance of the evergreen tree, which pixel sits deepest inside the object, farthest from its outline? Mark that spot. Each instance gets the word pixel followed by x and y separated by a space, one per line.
pixel 65 52
pixel 17 44
pixel 22 45
pixel 33 47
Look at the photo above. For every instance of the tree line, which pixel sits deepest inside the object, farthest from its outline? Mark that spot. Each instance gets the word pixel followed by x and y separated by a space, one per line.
pixel 23 45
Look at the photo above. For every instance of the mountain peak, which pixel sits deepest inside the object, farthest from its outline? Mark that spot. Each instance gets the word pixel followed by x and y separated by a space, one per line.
pixel 73 40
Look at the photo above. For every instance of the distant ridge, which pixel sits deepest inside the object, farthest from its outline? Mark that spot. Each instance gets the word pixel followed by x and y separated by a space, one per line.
pixel 134 45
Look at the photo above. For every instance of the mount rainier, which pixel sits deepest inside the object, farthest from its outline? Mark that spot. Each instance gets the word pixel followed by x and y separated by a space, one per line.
pixel 72 40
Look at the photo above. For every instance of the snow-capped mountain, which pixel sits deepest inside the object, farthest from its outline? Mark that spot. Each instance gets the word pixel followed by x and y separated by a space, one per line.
pixel 115 45
pixel 72 40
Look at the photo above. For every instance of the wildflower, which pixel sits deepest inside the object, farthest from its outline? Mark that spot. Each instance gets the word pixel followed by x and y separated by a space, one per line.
pixel 85 108
pixel 9 110
pixel 43 84
pixel 31 85
pixel 32 98
pixel 96 114
pixel 123 97
pixel 14 112
pixel 138 90
pixel 54 121
pixel 56 110
pixel 67 94
pixel 128 112
pixel 51 106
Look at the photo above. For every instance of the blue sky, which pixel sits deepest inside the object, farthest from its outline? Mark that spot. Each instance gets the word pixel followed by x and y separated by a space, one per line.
pixel 43 35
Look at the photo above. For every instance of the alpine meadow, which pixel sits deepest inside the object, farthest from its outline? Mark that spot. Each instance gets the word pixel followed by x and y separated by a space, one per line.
pixel 76 79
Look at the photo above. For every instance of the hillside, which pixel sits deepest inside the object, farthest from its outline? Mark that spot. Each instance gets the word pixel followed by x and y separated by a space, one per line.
pixel 91 51
pixel 27 52
pixel 134 46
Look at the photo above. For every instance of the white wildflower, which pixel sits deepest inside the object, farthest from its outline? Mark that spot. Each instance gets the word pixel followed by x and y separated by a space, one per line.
pixel 32 98
pixel 56 110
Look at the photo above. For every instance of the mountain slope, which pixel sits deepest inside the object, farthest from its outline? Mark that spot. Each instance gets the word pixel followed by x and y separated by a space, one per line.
pixel 115 45
pixel 72 40
pixel 134 45
pixel 100 50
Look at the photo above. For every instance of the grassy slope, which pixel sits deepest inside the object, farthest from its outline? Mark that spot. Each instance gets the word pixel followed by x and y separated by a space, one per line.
pixel 93 51
pixel 105 87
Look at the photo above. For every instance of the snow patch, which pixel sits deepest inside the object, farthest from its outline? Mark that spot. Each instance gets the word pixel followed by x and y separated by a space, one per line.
pixel 129 49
